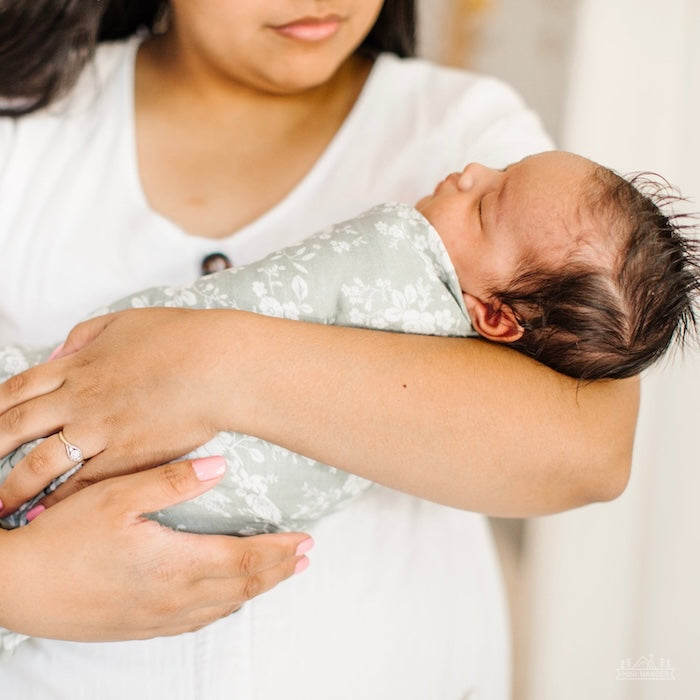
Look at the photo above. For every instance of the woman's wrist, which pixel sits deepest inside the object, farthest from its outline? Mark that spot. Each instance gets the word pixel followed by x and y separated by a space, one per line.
pixel 229 365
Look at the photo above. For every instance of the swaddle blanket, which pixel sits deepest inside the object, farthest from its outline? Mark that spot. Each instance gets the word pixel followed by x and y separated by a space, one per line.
pixel 386 269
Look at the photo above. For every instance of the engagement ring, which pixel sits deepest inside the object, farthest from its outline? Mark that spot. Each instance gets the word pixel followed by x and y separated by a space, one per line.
pixel 75 454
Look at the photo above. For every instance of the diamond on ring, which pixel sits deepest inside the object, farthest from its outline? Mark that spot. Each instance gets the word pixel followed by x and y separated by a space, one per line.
pixel 75 454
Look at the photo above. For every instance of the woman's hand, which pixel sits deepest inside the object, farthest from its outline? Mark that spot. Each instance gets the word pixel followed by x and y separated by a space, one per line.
pixel 132 389
pixel 99 571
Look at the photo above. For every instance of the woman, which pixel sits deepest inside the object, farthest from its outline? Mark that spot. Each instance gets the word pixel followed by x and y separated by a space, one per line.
pixel 252 123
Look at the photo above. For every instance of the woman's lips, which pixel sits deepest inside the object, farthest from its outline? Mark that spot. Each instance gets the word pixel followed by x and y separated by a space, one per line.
pixel 310 28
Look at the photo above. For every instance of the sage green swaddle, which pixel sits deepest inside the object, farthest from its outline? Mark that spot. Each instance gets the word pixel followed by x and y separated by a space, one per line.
pixel 387 269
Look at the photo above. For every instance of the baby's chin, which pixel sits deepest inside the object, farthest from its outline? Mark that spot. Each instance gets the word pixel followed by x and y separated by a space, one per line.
pixel 421 203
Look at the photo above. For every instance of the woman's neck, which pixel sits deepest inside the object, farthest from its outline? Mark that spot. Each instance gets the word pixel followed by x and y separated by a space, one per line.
pixel 215 154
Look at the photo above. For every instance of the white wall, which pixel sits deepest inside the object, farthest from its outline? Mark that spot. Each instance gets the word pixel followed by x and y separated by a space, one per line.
pixel 524 42
pixel 620 581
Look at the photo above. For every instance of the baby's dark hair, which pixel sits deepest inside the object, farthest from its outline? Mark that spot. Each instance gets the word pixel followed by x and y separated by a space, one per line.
pixel 591 320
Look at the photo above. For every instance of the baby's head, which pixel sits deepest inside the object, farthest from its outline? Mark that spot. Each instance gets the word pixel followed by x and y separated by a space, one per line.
pixel 572 264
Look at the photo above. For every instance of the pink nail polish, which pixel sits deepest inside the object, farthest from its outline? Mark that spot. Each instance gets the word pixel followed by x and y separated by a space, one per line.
pixel 56 351
pixel 209 467
pixel 33 512
pixel 302 565
pixel 304 546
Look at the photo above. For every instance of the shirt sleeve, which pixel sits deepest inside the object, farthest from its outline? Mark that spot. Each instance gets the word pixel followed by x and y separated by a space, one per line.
pixel 511 129
pixel 447 117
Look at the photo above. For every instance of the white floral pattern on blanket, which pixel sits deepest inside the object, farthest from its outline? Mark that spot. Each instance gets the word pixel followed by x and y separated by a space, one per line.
pixel 386 269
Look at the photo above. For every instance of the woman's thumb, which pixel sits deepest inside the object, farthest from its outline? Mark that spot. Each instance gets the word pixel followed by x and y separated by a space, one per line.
pixel 173 483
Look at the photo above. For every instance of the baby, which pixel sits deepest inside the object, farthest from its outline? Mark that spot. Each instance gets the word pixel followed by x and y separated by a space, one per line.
pixel 557 256
pixel 570 263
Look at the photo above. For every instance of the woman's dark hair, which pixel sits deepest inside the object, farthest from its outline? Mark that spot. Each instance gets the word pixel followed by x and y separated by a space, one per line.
pixel 394 31
pixel 592 321
pixel 44 44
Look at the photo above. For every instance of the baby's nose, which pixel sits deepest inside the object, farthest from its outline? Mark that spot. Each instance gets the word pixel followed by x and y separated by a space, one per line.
pixel 475 175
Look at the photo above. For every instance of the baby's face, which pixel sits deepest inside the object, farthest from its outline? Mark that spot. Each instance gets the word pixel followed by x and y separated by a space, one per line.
pixel 491 221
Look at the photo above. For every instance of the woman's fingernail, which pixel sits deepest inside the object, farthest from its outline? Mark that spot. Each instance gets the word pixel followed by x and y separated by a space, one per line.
pixel 209 467
pixel 56 351
pixel 302 565
pixel 304 546
pixel 33 512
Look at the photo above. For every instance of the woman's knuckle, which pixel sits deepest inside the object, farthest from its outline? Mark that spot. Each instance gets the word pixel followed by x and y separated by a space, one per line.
pixel 109 421
pixel 250 562
pixel 11 421
pixel 90 391
pixel 38 464
pixel 175 480
pixel 252 587
pixel 15 385
pixel 79 331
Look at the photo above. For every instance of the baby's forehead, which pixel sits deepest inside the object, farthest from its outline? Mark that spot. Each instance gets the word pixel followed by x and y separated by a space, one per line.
pixel 555 178
pixel 580 232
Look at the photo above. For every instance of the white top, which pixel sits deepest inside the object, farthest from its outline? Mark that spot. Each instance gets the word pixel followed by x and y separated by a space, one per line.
pixel 403 598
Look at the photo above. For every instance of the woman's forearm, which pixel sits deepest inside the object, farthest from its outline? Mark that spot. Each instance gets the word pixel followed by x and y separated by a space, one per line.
pixel 461 422
pixel 458 421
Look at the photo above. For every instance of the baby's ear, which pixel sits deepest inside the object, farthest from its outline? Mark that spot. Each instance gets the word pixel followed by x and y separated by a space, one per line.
pixel 493 320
